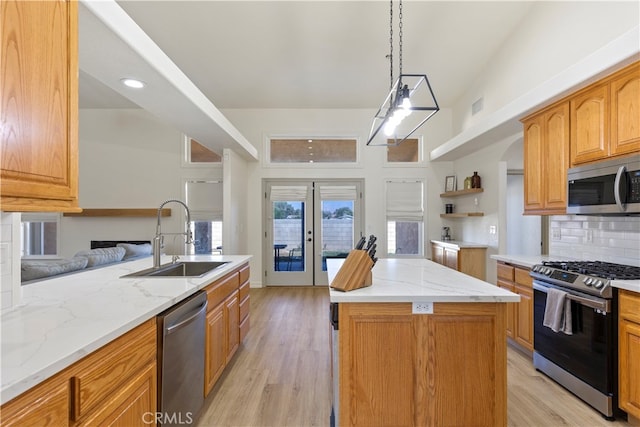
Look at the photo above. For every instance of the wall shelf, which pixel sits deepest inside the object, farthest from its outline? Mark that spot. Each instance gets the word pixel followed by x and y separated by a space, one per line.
pixel 461 215
pixel 461 192
pixel 131 213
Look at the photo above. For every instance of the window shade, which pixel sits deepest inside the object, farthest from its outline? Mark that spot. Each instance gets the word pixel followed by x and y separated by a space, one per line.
pixel 204 199
pixel 338 192
pixel 404 201
pixel 288 193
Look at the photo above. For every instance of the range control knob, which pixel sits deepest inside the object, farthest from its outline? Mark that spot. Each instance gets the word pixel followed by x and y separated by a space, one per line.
pixel 598 284
pixel 588 281
pixel 547 271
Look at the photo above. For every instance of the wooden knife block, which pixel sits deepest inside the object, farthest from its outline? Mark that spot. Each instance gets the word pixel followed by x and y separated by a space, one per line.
pixel 355 272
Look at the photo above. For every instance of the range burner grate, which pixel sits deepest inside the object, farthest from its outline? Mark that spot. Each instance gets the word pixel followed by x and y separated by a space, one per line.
pixel 606 270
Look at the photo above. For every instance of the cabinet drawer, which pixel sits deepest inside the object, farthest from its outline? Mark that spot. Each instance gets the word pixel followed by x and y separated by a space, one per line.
pixel 244 290
pixel 522 277
pixel 629 305
pixel 45 404
pixel 505 272
pixel 105 371
pixel 244 308
pixel 219 290
pixel 244 273
pixel 244 328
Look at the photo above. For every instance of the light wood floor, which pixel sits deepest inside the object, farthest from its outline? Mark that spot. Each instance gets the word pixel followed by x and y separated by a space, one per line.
pixel 280 374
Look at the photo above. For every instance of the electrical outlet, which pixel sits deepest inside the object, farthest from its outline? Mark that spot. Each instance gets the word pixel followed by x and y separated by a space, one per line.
pixel 493 229
pixel 422 308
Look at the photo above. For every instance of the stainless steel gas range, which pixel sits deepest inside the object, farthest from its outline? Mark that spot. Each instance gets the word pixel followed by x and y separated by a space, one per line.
pixel 582 358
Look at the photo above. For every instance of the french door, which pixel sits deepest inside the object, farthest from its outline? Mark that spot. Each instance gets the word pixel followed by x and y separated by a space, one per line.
pixel 306 223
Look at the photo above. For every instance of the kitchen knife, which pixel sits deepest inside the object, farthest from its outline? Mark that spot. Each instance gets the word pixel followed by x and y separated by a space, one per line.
pixel 361 242
pixel 372 250
pixel 372 240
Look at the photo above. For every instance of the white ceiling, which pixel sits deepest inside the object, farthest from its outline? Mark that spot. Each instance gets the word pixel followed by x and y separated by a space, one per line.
pixel 306 54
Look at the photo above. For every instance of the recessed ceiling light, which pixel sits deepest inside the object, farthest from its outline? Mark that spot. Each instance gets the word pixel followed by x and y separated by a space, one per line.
pixel 133 83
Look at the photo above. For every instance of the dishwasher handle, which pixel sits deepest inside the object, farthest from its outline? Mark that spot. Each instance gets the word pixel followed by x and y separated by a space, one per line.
pixel 187 320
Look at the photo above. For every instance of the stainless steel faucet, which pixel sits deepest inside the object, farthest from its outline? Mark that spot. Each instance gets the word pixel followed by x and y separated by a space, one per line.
pixel 159 238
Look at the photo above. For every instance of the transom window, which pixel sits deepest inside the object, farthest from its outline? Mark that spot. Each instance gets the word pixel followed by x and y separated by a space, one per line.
pixel 313 150
pixel 196 153
pixel 407 152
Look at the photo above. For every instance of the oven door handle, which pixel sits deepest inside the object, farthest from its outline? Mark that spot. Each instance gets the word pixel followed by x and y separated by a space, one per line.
pixel 603 305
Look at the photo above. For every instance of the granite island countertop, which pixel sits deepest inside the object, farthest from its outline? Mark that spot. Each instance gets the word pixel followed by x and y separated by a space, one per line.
pixel 62 319
pixel 418 280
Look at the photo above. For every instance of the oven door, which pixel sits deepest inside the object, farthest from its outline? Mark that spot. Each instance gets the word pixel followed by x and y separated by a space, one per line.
pixel 588 354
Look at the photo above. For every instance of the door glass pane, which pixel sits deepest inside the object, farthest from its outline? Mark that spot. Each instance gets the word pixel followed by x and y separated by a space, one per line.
pixel 337 229
pixel 288 236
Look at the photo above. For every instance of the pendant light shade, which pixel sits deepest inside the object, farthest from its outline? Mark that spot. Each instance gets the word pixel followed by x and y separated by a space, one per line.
pixel 409 103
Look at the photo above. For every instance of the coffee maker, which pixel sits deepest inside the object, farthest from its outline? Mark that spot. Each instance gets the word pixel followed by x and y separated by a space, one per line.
pixel 445 234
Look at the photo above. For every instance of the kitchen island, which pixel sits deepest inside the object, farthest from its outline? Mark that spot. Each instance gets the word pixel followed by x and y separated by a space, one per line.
pixel 424 345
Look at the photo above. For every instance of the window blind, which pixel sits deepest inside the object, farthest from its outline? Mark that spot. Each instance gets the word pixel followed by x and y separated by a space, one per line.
pixel 288 193
pixel 405 201
pixel 204 199
pixel 338 192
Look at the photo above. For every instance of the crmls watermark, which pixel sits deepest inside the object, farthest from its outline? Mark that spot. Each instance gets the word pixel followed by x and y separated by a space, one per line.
pixel 174 418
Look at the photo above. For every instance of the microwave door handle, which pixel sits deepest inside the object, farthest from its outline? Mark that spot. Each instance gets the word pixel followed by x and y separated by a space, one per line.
pixel 616 190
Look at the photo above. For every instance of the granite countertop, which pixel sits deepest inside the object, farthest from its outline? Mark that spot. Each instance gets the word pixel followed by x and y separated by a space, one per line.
pixel 418 280
pixel 529 261
pixel 458 244
pixel 61 320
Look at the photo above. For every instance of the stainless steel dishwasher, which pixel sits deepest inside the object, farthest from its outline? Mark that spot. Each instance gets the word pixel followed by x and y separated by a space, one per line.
pixel 181 331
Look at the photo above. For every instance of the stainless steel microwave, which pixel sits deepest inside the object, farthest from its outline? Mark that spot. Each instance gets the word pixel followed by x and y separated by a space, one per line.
pixel 610 187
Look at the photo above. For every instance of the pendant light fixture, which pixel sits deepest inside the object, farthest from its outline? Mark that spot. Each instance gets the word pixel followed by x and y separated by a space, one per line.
pixel 410 102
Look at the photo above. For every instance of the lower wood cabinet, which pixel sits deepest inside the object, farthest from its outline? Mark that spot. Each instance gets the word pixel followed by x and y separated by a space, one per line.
pixel 113 386
pixel 402 369
pixel 224 322
pixel 519 315
pixel 629 354
pixel 468 260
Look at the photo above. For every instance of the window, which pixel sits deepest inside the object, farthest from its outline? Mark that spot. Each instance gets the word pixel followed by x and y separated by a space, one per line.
pixel 405 217
pixel 313 150
pixel 204 199
pixel 197 154
pixel 39 235
pixel 407 152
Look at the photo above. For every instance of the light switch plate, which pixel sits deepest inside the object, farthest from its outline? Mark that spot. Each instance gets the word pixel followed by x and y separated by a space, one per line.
pixel 422 308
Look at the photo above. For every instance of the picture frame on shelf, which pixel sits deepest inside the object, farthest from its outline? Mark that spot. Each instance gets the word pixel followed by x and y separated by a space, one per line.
pixel 450 183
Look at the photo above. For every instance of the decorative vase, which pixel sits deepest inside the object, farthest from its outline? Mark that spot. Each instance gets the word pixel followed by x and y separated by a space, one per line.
pixel 467 183
pixel 475 181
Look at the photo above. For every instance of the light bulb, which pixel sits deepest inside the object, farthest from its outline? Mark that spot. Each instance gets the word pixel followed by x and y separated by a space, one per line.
pixel 389 128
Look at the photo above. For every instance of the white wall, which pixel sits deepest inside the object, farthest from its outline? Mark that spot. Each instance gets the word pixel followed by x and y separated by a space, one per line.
pixel 259 125
pixel 552 37
pixel 128 159
pixel 235 210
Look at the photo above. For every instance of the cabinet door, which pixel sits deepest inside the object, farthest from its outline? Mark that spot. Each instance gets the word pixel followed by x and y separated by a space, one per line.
pixel 133 404
pixel 556 158
pixel 524 318
pixel 437 254
pixel 511 308
pixel 45 405
pixel 533 164
pixel 625 112
pixel 629 360
pixel 232 319
pixel 39 99
pixel 215 347
pixel 451 258
pixel 590 125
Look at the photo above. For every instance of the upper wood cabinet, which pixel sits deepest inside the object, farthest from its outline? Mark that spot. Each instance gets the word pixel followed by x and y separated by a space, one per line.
pixel 605 118
pixel 546 159
pixel 39 106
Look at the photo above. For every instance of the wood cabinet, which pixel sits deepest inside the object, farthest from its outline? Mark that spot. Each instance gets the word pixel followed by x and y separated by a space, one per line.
pixel 468 260
pixel 401 369
pixel 224 324
pixel 39 105
pixel 520 320
pixel 629 354
pixel 546 160
pixel 605 118
pixel 115 385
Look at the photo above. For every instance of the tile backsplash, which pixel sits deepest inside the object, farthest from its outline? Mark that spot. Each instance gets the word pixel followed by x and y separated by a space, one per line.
pixel 595 238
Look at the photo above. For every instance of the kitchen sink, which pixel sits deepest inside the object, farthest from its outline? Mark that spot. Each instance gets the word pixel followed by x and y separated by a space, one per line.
pixel 180 269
